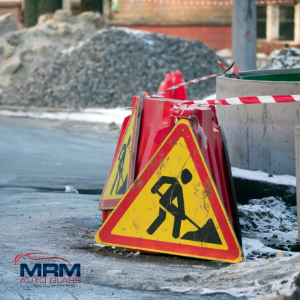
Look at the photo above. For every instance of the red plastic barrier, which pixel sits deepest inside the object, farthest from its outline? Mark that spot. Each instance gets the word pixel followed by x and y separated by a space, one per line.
pixel 105 214
pixel 157 121
pixel 171 79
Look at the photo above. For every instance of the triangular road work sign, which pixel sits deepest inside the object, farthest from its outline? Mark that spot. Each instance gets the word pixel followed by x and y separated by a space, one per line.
pixel 121 174
pixel 173 206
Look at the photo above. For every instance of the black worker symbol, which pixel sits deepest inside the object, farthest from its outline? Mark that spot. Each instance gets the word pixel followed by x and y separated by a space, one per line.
pixel 119 179
pixel 207 233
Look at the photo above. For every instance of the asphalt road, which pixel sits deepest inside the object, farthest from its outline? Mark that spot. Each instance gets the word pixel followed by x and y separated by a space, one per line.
pixel 37 160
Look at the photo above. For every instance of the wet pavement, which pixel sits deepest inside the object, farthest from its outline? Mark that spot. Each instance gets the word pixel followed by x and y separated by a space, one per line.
pixel 38 159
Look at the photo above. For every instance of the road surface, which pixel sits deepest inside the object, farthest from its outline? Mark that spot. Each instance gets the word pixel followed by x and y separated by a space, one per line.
pixel 38 159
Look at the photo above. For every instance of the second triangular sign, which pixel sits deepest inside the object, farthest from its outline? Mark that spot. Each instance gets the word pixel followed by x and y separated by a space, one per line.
pixel 173 206
pixel 122 169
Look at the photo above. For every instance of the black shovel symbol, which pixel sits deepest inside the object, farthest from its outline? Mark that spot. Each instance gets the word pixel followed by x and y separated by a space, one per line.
pixel 206 234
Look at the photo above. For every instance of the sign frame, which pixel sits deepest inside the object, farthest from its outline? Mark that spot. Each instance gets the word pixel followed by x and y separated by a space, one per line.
pixel 232 254
pixel 109 204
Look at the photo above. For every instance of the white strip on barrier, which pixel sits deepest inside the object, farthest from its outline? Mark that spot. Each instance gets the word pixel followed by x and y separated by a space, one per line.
pixel 247 100
pixel 266 99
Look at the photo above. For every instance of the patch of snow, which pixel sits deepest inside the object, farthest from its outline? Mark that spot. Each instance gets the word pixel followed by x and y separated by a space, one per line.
pixel 211 97
pixel 134 32
pixel 266 215
pixel 145 36
pixel 179 289
pixel 101 245
pixel 114 272
pixel 261 278
pixel 263 176
pixel 71 49
pixel 70 189
pixel 252 246
pixel 93 115
pixel 237 292
pixel 286 58
pixel 287 288
pixel 268 218
pixel 136 254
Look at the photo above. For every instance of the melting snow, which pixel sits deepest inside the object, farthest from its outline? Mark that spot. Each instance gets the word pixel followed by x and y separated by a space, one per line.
pixel 269 217
pixel 93 115
pixel 262 176
pixel 70 189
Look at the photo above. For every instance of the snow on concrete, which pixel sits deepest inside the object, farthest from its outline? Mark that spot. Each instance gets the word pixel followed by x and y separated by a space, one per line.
pixel 93 115
pixel 263 176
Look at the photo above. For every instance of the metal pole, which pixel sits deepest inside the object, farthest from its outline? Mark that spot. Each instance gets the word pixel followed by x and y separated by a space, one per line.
pixel 244 34
pixel 297 159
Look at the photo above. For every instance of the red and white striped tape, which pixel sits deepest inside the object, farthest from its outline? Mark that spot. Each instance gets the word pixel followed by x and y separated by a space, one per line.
pixel 232 71
pixel 229 70
pixel 224 3
pixel 247 100
pixel 190 82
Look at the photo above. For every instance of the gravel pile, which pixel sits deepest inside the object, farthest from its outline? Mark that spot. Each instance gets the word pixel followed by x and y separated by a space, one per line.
pixel 22 51
pixel 111 67
pixel 286 58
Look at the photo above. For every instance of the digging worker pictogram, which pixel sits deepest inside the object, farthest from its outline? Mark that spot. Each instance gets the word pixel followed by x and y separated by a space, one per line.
pixel 119 176
pixel 207 233
pixel 173 192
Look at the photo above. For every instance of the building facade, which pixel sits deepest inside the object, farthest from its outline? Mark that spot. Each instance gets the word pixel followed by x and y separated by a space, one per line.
pixel 277 24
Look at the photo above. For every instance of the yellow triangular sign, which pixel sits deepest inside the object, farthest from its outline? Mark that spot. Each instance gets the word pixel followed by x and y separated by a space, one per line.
pixel 122 170
pixel 173 206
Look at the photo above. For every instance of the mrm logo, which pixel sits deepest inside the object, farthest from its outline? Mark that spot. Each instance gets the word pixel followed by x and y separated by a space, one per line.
pixel 39 272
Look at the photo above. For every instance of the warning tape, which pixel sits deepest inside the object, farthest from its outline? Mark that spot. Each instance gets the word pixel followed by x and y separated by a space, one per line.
pixel 199 79
pixel 229 70
pixel 248 100
pixel 224 3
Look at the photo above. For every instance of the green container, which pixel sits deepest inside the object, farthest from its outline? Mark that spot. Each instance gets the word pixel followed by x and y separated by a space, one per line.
pixel 272 75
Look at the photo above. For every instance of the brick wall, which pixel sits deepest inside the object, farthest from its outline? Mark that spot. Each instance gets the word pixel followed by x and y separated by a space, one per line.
pixel 13 7
pixel 137 13
pixel 217 37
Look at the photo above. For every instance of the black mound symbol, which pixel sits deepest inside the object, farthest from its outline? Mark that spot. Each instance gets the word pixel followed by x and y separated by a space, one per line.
pixel 207 234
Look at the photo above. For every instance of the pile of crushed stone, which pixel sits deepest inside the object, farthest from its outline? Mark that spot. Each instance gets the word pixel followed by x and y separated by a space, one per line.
pixel 22 51
pixel 286 58
pixel 111 67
